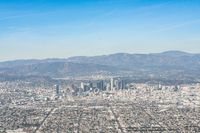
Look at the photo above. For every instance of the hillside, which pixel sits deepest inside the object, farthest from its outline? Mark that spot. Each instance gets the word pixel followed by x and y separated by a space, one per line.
pixel 166 64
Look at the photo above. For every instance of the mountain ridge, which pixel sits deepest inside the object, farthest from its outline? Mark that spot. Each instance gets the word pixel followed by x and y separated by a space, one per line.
pixel 120 53
pixel 166 64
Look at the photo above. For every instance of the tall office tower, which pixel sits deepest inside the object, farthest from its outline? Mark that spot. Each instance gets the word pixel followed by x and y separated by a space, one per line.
pixel 121 85
pixel 100 85
pixel 85 86
pixel 159 86
pixel 91 85
pixel 112 84
pixel 82 85
pixel 108 87
pixel 57 90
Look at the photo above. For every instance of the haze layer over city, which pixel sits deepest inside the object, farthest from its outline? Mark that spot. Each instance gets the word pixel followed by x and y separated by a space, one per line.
pixel 99 66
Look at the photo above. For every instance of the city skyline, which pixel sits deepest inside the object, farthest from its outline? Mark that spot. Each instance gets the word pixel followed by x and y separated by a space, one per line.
pixel 48 29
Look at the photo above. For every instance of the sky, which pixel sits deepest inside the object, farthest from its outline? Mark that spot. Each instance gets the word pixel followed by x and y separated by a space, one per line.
pixel 62 28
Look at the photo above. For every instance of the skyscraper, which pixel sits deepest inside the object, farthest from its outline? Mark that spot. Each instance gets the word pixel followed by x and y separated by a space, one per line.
pixel 108 87
pixel 57 90
pixel 121 85
pixel 100 85
pixel 112 84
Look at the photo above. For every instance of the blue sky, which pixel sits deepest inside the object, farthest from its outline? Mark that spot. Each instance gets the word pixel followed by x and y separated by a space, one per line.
pixel 63 28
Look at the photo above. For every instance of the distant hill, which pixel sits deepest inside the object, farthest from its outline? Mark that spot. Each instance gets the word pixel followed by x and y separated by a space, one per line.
pixel 166 60
pixel 57 69
pixel 170 64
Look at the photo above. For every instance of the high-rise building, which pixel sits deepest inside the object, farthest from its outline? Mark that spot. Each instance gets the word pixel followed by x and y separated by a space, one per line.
pixel 82 85
pixel 112 84
pixel 91 85
pixel 121 85
pixel 57 90
pixel 85 86
pixel 100 85
pixel 108 87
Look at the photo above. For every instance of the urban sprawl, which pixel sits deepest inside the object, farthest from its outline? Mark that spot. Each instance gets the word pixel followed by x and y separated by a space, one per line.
pixel 110 105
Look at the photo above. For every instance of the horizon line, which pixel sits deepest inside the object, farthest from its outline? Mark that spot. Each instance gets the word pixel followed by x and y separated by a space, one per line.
pixel 54 58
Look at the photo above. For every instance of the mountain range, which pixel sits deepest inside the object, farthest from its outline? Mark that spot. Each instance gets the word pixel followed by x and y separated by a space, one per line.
pixel 169 64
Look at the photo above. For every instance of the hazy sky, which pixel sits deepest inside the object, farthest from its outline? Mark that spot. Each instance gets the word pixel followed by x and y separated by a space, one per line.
pixel 63 28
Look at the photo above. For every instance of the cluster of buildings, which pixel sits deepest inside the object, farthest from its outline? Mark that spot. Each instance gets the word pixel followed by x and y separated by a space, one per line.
pixel 112 105
pixel 88 87
pixel 104 85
